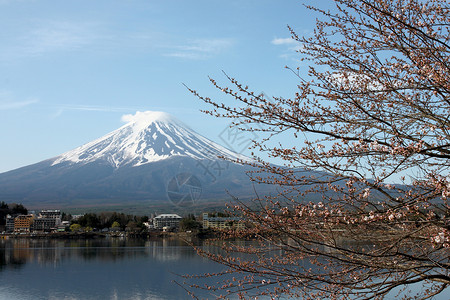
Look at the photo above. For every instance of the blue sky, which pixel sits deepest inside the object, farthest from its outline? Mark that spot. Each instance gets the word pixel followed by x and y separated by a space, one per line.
pixel 69 70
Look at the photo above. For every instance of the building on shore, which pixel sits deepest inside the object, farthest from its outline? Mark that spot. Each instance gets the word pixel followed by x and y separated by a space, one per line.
pixel 222 222
pixel 23 223
pixel 9 225
pixel 47 221
pixel 46 224
pixel 50 214
pixel 167 222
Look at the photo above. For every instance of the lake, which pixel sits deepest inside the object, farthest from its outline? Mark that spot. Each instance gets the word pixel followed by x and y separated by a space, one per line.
pixel 108 268
pixel 111 268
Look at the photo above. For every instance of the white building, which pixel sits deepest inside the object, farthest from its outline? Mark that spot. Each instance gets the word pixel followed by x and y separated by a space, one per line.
pixel 167 221
pixel 47 220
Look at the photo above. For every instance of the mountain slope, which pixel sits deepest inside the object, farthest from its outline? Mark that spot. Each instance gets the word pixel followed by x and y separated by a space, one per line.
pixel 137 163
pixel 148 137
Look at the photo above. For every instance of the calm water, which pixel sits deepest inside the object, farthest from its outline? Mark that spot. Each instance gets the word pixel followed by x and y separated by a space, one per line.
pixel 97 269
pixel 114 268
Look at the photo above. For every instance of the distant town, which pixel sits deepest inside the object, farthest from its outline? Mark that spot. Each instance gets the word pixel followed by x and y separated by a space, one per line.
pixel 15 220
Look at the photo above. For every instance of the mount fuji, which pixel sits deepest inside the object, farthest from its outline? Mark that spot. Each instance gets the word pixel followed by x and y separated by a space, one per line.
pixel 148 137
pixel 154 157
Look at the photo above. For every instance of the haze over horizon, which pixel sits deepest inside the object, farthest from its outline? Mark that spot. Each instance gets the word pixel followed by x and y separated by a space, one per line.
pixel 71 70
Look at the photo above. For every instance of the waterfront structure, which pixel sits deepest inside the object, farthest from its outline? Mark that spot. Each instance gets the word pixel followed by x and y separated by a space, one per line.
pixel 46 224
pixel 50 214
pixel 47 221
pixel 76 217
pixel 167 221
pixel 149 225
pixel 23 223
pixel 222 222
pixel 9 226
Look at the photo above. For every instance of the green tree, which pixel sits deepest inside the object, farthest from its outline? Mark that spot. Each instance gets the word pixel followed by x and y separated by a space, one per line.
pixel 66 217
pixel 132 226
pixel 121 218
pixel 75 227
pixel 89 219
pixel 189 224
pixel 18 209
pixel 115 225
pixel 4 211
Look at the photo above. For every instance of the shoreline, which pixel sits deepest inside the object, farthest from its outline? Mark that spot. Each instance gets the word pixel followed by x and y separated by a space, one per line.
pixel 119 234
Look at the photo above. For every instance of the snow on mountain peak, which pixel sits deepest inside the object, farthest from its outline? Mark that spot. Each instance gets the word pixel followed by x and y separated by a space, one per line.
pixel 143 118
pixel 147 137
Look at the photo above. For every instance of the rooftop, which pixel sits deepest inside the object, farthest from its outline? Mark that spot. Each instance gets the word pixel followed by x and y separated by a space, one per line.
pixel 174 216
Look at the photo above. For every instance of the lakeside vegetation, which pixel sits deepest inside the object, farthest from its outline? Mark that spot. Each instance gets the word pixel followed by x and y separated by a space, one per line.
pixel 103 224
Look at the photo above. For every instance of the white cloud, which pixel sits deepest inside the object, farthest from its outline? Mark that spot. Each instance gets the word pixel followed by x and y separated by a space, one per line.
pixel 52 36
pixel 284 41
pixel 143 117
pixel 41 37
pixel 200 48
pixel 127 118
pixel 8 102
pixel 17 104
pixel 58 36
pixel 292 45
pixel 92 108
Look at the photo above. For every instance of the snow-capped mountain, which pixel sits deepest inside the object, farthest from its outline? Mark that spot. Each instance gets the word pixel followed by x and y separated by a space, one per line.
pixel 147 137
pixel 152 158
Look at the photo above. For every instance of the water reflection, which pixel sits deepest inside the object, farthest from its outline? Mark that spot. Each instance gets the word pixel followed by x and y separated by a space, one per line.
pixel 16 252
pixel 112 268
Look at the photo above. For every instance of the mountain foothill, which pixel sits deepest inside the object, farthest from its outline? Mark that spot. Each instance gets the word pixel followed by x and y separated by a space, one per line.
pixel 152 158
